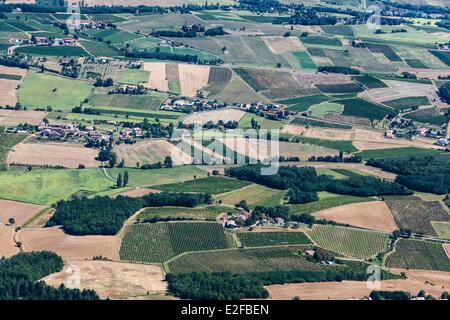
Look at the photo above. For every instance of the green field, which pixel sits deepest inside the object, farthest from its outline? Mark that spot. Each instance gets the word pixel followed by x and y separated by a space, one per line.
pixel 418 254
pixel 364 109
pixel 212 185
pixel 49 186
pixel 151 101
pixel 158 242
pixel 100 49
pixel 7 142
pixel 60 51
pixel 407 103
pixel 318 110
pixel 397 152
pixel 305 60
pixel 369 82
pixel 303 103
pixel 113 36
pixel 350 242
pixel 253 193
pixel 202 213
pixel 325 203
pixel 56 92
pixel 149 178
pixel 133 76
pixel 264 239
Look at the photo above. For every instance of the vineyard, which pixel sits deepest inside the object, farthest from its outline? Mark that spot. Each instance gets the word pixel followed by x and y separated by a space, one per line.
pixel 158 242
pixel 354 243
pixel 262 239
pixel 418 254
pixel 7 141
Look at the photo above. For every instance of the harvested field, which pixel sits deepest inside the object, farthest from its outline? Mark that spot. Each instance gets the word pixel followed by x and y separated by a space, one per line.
pixel 7 245
pixel 158 78
pixel 218 79
pixel 13 71
pixel 114 280
pixel 136 193
pixel 53 155
pixel 363 139
pixel 425 73
pixel 322 78
pixel 21 212
pixel 215 115
pixel 416 215
pixel 149 152
pixel 280 45
pixel 350 289
pixel 192 78
pixel 373 215
pixel 275 84
pixel 397 90
pixel 165 3
pixel 8 92
pixel 68 247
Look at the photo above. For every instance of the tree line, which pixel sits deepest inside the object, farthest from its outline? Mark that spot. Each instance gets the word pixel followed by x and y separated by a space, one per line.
pixel 106 215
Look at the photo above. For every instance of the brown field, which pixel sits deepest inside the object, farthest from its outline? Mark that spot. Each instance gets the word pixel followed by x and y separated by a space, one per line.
pixel 8 92
pixel 352 289
pixel 425 73
pixel 369 215
pixel 214 116
pixel 7 245
pixel 13 71
pixel 165 3
pixel 447 249
pixel 150 152
pixel 363 139
pixel 321 78
pixel 20 1
pixel 14 117
pixel 192 78
pixel 172 72
pixel 53 154
pixel 253 149
pixel 20 211
pixel 158 78
pixel 397 90
pixel 280 45
pixel 114 280
pixel 67 246
pixel 136 193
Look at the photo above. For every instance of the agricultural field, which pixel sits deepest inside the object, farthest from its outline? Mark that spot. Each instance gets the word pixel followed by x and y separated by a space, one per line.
pixel 159 242
pixel 114 280
pixel 265 239
pixel 209 213
pixel 418 254
pixel 20 212
pixel 39 154
pixel 214 116
pixel 142 103
pixel 150 152
pixel 8 246
pixel 373 215
pixel 55 92
pixel 253 193
pixel 15 117
pixel 49 186
pixel 427 115
pixel 417 215
pixel 68 247
pixel 7 143
pixel 212 185
pixel 349 242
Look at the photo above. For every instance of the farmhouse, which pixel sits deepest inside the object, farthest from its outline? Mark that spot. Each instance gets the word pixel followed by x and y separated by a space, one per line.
pixel 65 42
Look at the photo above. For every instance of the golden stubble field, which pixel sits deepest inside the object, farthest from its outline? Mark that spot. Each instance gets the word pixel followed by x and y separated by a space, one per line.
pixel 21 212
pixel 57 154
pixel 114 280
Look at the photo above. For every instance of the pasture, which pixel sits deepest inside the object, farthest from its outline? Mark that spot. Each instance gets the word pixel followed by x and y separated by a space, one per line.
pixel 159 242
pixel 7 143
pixel 148 102
pixel 212 185
pixel 252 194
pixel 55 92
pixel 350 242
pixel 49 186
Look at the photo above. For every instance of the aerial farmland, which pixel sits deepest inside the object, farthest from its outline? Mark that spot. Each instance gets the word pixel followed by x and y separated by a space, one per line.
pixel 224 150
